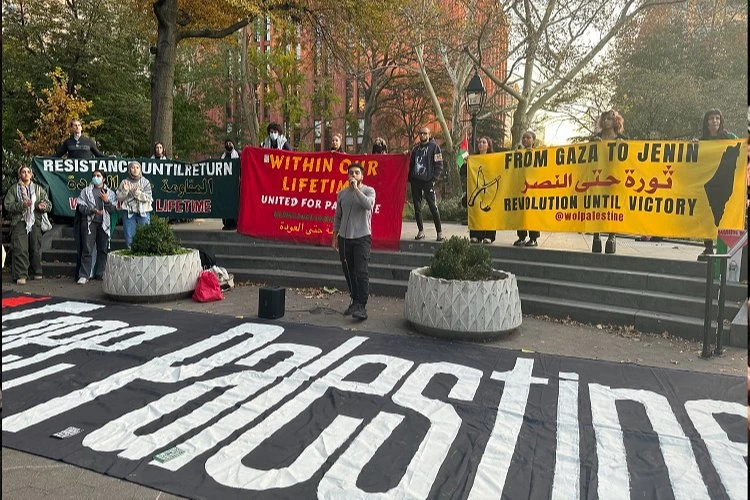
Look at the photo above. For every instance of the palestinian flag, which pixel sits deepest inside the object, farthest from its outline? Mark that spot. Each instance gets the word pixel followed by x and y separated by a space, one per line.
pixel 463 152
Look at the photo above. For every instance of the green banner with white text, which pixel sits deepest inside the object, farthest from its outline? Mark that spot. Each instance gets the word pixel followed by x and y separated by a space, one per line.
pixel 181 190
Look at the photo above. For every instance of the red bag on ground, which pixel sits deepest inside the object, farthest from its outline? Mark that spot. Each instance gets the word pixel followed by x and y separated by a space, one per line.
pixel 207 288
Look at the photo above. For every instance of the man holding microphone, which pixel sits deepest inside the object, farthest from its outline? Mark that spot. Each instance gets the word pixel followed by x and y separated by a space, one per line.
pixel 352 238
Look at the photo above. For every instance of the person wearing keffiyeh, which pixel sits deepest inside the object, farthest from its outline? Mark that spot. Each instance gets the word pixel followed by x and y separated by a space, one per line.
pixel 135 197
pixel 26 202
pixel 95 204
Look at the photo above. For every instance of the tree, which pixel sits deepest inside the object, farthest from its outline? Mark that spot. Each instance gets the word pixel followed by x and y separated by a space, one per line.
pixel 554 43
pixel 677 63
pixel 438 33
pixel 101 45
pixel 56 109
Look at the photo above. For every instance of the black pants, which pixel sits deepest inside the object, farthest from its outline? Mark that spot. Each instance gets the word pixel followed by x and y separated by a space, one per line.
pixel 426 190
pixel 96 241
pixel 355 255
pixel 480 235
pixel 532 234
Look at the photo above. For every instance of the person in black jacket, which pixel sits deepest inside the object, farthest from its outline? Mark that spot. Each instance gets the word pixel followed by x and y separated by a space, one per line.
pixel 425 166
pixel 78 145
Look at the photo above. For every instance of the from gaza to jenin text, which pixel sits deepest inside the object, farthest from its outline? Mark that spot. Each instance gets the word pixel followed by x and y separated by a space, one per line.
pixel 615 151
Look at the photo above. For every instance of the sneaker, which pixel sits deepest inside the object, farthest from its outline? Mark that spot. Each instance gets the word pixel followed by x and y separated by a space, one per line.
pixel 21 281
pixel 360 313
pixel 486 241
pixel 439 238
pixel 419 236
pixel 82 281
pixel 349 310
pixel 519 242
pixel 531 243
pixel 474 240
pixel 38 277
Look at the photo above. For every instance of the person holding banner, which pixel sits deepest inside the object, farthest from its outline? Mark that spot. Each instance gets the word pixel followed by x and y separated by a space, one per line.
pixel 275 139
pixel 26 203
pixel 527 142
pixel 229 153
pixel 379 147
pixel 352 238
pixel 78 145
pixel 159 153
pixel 712 129
pixel 611 125
pixel 336 144
pixel 487 237
pixel 95 204
pixel 134 195
pixel 425 166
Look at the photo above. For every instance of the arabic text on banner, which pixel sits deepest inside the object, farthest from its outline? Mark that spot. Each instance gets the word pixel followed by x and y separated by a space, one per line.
pixel 208 188
pixel 291 196
pixel 659 188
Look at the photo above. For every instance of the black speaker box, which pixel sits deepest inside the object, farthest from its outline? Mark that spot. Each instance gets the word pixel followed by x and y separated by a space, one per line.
pixel 271 302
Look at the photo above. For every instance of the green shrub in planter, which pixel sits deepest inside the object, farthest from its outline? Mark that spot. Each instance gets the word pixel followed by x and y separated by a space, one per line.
pixel 156 238
pixel 457 259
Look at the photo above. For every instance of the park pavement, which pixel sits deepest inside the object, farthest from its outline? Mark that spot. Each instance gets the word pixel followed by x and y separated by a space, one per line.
pixel 29 477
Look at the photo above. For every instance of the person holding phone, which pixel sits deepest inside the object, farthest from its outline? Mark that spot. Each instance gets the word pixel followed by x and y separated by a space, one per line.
pixel 95 204
pixel 352 238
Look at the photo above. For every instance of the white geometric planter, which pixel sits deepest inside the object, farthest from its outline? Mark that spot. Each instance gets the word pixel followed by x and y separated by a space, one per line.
pixel 478 310
pixel 151 278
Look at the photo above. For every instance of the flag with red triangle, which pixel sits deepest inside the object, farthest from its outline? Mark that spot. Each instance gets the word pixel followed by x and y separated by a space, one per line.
pixel 463 152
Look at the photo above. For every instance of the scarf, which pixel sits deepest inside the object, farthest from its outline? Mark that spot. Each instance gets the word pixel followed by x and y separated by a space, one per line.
pixel 24 193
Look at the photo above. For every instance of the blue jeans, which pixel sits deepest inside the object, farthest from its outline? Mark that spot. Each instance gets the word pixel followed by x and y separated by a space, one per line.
pixel 129 225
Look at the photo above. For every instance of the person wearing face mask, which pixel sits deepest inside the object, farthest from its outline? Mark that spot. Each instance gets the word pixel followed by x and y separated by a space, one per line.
pixel 229 151
pixel 275 139
pixel 134 195
pixel 352 238
pixel 95 204
pixel 78 145
pixel 26 202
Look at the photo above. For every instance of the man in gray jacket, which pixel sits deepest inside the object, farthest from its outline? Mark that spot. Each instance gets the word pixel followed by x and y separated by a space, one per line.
pixel 352 238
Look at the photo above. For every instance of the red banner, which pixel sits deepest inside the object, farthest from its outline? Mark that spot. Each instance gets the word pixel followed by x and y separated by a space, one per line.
pixel 291 196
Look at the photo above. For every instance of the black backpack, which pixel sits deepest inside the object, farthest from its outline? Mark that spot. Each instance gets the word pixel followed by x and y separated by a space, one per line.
pixel 208 258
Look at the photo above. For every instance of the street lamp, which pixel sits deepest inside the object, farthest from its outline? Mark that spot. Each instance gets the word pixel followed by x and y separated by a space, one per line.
pixel 475 95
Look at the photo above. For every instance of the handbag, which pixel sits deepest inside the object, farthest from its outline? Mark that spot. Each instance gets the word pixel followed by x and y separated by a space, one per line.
pixel 46 223
pixel 207 288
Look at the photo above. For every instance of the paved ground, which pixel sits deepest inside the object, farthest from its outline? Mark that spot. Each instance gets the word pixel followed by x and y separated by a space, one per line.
pixel 27 477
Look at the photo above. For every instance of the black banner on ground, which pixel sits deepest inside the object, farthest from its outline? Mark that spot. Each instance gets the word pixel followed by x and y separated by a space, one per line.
pixel 208 188
pixel 212 406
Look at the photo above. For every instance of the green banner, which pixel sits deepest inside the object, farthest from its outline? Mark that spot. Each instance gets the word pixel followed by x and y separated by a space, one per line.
pixel 181 190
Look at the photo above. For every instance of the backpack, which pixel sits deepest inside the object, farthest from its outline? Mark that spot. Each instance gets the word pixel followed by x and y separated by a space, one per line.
pixel 208 258
pixel 207 288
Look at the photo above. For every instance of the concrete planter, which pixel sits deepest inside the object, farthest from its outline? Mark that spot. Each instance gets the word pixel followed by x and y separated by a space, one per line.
pixel 471 310
pixel 151 278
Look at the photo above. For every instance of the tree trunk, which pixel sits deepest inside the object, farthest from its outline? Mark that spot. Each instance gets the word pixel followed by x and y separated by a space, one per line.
pixel 247 95
pixel 520 124
pixel 162 84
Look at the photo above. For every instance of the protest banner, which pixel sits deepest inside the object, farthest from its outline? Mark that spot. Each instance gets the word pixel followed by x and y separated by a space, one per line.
pixel 658 188
pixel 181 190
pixel 291 196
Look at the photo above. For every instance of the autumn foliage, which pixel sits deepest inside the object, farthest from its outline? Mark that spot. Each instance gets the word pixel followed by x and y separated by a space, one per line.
pixel 57 107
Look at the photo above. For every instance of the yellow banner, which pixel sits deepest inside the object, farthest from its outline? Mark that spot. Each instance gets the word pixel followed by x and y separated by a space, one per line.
pixel 657 188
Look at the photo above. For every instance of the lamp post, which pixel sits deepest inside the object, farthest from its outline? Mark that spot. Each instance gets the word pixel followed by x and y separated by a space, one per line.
pixel 475 94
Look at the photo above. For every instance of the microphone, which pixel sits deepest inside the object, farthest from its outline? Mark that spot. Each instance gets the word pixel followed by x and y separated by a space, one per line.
pixel 353 183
